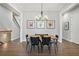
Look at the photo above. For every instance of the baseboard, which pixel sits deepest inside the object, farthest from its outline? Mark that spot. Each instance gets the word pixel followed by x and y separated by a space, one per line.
pixel 72 41
pixel 15 38
pixel 22 40
pixel 60 41
pixel 67 40
pixel 75 42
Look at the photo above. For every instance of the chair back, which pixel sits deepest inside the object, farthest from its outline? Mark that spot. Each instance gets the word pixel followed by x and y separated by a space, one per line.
pixel 34 40
pixel 46 40
pixel 57 36
pixel 26 36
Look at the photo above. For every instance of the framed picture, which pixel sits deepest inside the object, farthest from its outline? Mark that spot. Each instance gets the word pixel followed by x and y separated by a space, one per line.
pixel 50 24
pixel 66 27
pixel 40 24
pixel 30 24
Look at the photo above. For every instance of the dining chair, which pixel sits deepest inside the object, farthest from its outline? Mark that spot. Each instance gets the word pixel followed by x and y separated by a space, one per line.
pixel 27 41
pixel 34 42
pixel 56 39
pixel 45 41
pixel 55 42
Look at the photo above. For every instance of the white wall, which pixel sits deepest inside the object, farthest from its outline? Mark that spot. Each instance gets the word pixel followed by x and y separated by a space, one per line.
pixel 30 15
pixel 75 27
pixel 66 33
pixel 6 22
pixel 15 30
pixel 5 15
pixel 74 31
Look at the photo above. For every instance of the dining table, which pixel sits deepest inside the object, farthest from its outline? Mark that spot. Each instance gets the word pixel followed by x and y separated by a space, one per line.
pixel 52 37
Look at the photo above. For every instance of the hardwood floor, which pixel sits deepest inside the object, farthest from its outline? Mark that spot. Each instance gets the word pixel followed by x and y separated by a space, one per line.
pixel 19 49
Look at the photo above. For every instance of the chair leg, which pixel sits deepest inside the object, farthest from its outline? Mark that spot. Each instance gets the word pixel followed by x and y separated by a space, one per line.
pixel 49 48
pixel 27 45
pixel 34 47
pixel 38 49
pixel 41 48
pixel 55 48
pixel 31 49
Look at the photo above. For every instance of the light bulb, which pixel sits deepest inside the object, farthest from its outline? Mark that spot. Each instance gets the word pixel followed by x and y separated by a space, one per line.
pixel 46 17
pixel 36 17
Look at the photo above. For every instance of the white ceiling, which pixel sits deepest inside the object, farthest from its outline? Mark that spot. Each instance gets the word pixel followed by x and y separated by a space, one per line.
pixel 37 6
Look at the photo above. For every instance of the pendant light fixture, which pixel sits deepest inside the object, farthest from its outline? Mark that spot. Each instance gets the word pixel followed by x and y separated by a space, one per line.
pixel 42 16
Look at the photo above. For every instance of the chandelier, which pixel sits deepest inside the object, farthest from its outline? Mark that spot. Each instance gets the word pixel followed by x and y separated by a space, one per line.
pixel 41 16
